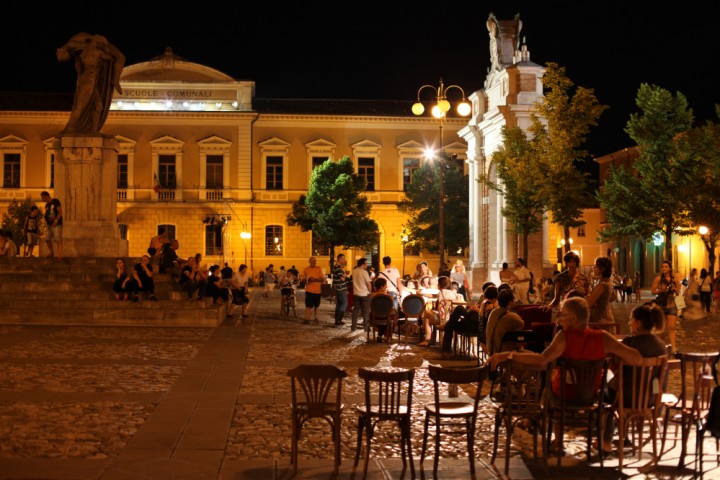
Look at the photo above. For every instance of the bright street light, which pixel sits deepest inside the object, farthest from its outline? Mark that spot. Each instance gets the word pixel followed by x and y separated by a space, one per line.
pixel 439 111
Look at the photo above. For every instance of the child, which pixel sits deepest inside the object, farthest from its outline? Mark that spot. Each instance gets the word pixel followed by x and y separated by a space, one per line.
pixel 30 231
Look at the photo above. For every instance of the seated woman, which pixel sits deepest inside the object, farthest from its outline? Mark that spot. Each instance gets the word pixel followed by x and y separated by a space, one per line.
pixel 215 286
pixel 123 286
pixel 436 317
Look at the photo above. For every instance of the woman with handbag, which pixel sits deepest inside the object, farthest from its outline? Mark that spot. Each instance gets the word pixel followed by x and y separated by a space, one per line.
pixel 665 287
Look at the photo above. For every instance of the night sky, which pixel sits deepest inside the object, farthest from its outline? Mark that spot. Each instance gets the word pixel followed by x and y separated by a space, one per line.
pixel 387 50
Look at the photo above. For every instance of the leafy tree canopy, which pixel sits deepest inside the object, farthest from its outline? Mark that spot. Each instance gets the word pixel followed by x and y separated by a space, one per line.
pixel 335 208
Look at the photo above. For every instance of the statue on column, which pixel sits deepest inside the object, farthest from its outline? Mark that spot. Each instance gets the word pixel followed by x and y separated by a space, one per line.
pixel 99 65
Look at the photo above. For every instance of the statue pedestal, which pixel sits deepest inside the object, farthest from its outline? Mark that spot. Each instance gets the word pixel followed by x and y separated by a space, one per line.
pixel 86 185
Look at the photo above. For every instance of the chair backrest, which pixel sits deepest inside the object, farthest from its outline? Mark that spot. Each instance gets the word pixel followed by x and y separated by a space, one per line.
pixel 697 380
pixel 381 306
pixel 581 381
pixel 522 340
pixel 444 376
pixel 312 386
pixel 413 305
pixel 640 386
pixel 523 388
pixel 388 391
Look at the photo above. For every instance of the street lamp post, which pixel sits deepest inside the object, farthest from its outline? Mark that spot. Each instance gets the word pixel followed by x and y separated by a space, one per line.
pixel 439 111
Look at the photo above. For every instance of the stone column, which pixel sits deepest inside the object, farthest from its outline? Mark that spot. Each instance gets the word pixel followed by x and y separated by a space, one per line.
pixel 86 185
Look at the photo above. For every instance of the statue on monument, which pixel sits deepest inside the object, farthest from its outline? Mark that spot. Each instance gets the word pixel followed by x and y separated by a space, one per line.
pixel 99 65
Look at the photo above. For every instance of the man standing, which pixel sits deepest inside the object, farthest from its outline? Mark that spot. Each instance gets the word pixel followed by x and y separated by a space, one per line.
pixel 54 220
pixel 394 281
pixel 361 294
pixel 313 289
pixel 340 286
pixel 522 281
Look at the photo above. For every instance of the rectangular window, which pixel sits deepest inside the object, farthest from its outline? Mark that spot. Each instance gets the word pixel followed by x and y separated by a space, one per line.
pixel 273 240
pixel 409 167
pixel 274 173
pixel 11 172
pixel 168 229
pixel 166 173
pixel 213 240
pixel 317 161
pixel 319 247
pixel 366 170
pixel 214 172
pixel 122 171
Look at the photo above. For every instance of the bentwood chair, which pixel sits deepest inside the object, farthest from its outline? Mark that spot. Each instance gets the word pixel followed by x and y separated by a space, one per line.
pixel 639 400
pixel 381 313
pixel 388 398
pixel 453 416
pixel 413 307
pixel 579 402
pixel 697 380
pixel 316 393
pixel 523 399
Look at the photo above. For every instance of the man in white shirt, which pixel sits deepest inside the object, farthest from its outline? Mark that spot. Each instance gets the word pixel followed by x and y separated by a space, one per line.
pixel 394 281
pixel 522 281
pixel 361 294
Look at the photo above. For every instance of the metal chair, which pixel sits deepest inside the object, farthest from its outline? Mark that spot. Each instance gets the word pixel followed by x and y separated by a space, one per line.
pixel 413 307
pixel 639 399
pixel 381 313
pixel 523 399
pixel 697 380
pixel 457 416
pixel 312 397
pixel 579 402
pixel 388 398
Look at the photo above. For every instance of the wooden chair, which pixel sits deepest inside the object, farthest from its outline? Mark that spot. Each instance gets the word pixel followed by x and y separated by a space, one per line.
pixel 523 399
pixel 697 380
pixel 413 307
pixel 312 397
pixel 639 400
pixel 580 400
pixel 381 313
pixel 710 425
pixel 388 398
pixel 457 416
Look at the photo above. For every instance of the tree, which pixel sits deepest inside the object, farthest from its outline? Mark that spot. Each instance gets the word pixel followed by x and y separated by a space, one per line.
pixel 516 165
pixel 335 209
pixel 569 113
pixel 655 195
pixel 423 209
pixel 14 217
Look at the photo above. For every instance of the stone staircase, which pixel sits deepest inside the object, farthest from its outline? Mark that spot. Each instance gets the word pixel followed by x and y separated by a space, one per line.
pixel 78 291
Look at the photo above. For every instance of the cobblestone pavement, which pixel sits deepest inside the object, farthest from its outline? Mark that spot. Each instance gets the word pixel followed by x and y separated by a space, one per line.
pixel 81 394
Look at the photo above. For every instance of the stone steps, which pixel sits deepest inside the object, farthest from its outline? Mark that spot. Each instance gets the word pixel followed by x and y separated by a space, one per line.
pixel 78 291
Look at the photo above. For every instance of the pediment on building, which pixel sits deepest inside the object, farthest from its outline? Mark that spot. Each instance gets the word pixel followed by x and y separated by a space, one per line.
pixel 274 142
pixel 214 140
pixel 320 143
pixel 12 140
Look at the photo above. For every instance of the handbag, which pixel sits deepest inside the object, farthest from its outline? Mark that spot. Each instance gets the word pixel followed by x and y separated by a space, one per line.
pixel 679 301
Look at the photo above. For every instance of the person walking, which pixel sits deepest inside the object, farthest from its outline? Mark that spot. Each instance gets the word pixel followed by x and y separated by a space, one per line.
pixel 666 286
pixel 313 289
pixel 361 294
pixel 339 284
pixel 54 220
